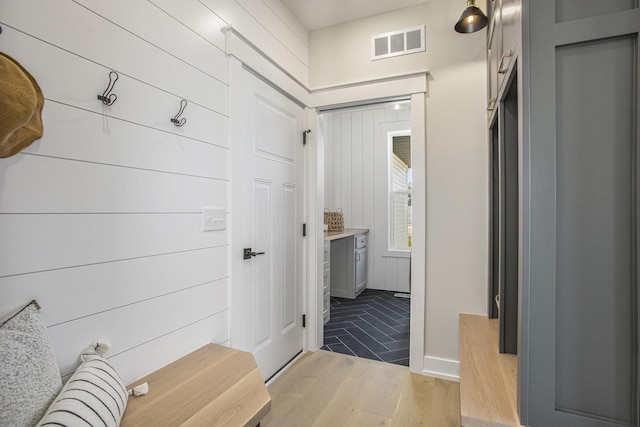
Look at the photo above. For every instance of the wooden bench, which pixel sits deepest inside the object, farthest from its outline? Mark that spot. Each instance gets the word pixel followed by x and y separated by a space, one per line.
pixel 213 386
pixel 488 379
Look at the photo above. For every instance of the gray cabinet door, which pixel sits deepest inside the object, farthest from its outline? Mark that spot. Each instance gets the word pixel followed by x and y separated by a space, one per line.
pixel 361 270
pixel 579 345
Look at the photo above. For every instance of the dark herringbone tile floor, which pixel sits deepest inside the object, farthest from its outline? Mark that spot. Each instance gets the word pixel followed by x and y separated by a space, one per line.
pixel 375 326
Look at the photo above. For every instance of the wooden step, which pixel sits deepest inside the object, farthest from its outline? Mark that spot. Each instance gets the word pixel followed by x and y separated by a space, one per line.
pixel 488 379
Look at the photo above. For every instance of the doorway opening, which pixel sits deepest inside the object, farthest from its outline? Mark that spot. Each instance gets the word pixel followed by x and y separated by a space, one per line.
pixel 368 176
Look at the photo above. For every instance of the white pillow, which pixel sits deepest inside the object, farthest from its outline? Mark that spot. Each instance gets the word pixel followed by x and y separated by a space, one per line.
pixel 29 374
pixel 94 395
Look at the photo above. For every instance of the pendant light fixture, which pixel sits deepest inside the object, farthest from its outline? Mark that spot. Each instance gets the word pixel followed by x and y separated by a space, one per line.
pixel 472 19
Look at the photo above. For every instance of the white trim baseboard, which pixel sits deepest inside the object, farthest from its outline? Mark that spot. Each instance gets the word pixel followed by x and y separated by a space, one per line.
pixel 442 368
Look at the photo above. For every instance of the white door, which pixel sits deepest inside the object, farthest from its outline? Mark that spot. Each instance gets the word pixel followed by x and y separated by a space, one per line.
pixel 266 216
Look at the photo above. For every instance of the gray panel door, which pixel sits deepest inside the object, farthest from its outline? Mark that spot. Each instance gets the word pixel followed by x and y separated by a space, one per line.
pixel 580 295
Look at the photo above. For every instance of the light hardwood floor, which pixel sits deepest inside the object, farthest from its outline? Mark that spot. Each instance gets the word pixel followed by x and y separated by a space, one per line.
pixel 331 389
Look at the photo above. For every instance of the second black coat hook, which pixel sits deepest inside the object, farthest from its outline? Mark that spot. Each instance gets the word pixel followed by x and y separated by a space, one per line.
pixel 107 97
pixel 177 121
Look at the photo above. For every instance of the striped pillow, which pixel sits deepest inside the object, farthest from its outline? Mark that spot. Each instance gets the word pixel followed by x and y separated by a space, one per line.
pixel 93 396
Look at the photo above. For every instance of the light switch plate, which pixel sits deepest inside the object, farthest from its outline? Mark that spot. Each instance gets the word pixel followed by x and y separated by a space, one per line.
pixel 214 219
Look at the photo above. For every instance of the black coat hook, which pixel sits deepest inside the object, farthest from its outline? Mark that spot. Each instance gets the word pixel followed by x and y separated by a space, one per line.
pixel 177 121
pixel 107 97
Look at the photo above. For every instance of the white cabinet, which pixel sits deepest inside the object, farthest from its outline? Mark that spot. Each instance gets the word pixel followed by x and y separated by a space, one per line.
pixel 349 266
pixel 327 282
pixel 360 263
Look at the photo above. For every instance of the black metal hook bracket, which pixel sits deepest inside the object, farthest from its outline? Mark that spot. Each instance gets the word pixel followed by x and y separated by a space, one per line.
pixel 177 121
pixel 304 136
pixel 107 97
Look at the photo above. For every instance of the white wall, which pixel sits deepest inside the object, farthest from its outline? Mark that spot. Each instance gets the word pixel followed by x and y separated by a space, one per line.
pixel 356 180
pixel 457 183
pixel 457 154
pixel 342 53
pixel 100 220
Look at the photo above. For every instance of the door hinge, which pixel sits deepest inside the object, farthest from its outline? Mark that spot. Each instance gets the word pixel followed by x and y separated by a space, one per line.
pixel 304 230
pixel 304 320
pixel 304 136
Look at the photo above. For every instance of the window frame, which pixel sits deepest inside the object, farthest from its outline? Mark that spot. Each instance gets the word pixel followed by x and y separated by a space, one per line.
pixel 391 250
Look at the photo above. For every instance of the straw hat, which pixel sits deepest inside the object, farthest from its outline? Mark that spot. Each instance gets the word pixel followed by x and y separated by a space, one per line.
pixel 21 104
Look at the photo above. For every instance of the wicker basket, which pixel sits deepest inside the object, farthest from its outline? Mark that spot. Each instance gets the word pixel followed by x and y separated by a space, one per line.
pixel 335 220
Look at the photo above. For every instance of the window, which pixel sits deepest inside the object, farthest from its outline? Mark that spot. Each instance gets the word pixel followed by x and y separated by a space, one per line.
pixel 400 191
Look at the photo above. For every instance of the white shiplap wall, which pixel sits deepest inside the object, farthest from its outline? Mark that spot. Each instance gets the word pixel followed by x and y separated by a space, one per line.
pixel 101 220
pixel 356 180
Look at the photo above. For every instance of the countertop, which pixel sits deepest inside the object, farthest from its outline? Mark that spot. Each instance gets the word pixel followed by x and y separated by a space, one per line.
pixel 334 235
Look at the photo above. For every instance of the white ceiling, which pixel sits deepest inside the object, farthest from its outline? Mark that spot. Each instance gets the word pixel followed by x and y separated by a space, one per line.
pixel 315 14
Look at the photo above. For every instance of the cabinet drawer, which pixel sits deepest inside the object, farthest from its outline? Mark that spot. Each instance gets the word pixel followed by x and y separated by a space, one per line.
pixel 361 241
pixel 326 308
pixel 327 255
pixel 326 282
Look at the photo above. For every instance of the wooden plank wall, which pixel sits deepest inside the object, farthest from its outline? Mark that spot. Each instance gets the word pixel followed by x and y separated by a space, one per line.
pixel 356 181
pixel 101 219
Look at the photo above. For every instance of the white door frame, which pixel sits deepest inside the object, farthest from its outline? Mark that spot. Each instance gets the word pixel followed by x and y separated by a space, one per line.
pixel 413 85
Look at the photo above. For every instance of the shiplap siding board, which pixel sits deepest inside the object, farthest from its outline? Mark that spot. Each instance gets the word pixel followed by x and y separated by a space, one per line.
pixel 378 270
pixel 105 188
pixel 404 273
pixel 326 133
pixel 357 183
pixel 101 218
pixel 100 41
pixel 380 182
pixel 391 273
pixel 249 24
pixel 39 242
pixel 112 284
pixel 140 361
pixel 368 173
pixel 197 17
pixel 126 144
pixel 166 33
pixel 289 21
pixel 346 169
pixel 71 80
pixel 127 327
pixel 356 169
pixel 275 25
pixel 336 143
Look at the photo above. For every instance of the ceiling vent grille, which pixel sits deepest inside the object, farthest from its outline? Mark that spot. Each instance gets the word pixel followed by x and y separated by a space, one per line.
pixel 395 43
